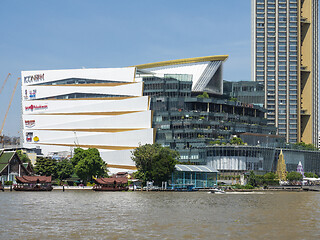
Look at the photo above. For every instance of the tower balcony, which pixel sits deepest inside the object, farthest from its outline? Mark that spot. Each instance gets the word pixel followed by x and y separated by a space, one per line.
pixel 304 112
pixel 304 69
pixel 304 20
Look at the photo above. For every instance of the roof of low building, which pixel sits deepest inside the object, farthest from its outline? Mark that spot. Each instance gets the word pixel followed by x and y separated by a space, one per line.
pixel 5 158
pixel 195 168
pixel 182 61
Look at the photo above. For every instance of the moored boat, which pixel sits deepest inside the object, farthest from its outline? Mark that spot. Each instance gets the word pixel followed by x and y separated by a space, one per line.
pixel 33 183
pixel 217 191
pixel 111 184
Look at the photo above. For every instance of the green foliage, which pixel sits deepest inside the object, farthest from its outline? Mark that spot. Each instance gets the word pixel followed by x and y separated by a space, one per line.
pixel 79 154
pixel 304 146
pixel 233 99
pixel 215 142
pixel 46 166
pixel 294 176
pixel 64 169
pixel 310 175
pixel 252 179
pixel 203 95
pixel 8 183
pixel 236 141
pixel 88 163
pixel 262 180
pixel 247 186
pixel 154 162
pixel 24 158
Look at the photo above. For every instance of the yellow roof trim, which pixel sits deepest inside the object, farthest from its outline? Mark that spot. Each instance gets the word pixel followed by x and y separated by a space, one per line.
pixel 182 61
pixel 122 166
pixel 112 130
pixel 91 113
pixel 90 146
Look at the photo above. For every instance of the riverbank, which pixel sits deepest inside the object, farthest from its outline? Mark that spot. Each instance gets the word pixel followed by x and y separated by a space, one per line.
pixel 270 188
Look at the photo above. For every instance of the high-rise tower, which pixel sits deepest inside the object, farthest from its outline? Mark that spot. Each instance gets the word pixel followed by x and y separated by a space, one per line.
pixel 285 59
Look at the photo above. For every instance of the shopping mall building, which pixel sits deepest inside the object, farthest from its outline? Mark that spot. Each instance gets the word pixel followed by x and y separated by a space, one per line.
pixel 178 103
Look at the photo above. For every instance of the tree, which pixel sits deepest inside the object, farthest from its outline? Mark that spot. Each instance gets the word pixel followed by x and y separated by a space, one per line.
pixel 304 146
pixel 154 162
pixel 24 158
pixel 270 178
pixel 79 154
pixel 310 175
pixel 45 166
pixel 236 141
pixel 252 179
pixel 64 169
pixel 88 164
pixel 294 176
pixel 203 95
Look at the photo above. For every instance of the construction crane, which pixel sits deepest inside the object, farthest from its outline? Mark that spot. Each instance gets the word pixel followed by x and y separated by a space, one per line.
pixel 4 83
pixel 5 117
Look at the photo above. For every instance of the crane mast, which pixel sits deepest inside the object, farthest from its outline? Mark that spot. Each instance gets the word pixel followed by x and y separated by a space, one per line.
pixel 5 117
pixel 4 83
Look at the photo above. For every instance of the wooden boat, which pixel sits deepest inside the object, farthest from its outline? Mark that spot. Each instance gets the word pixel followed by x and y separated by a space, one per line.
pixel 33 183
pixel 217 191
pixel 111 184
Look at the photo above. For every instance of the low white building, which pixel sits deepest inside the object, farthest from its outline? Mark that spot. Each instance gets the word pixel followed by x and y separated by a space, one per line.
pixel 103 108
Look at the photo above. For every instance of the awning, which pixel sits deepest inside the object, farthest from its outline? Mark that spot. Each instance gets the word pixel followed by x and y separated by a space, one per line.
pixel 195 168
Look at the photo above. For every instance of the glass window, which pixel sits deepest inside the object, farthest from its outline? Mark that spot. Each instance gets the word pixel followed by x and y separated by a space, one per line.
pixel 293 67
pixel 271 68
pixel 293 48
pixel 282 48
pixel 282 68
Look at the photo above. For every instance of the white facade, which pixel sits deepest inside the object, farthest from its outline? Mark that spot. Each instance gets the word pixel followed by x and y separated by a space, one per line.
pixel 103 108
pixel 100 108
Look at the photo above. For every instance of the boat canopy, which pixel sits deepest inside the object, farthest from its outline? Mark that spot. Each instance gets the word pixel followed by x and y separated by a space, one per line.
pixel 113 180
pixel 33 179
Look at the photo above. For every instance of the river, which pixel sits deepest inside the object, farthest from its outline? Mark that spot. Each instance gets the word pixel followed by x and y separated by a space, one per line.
pixel 83 214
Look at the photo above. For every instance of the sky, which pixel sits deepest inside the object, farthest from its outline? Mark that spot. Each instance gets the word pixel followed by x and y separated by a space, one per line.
pixel 68 34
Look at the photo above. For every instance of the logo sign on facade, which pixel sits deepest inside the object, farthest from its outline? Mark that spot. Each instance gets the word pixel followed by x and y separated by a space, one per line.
pixel 29 123
pixel 34 78
pixel 36 139
pixel 29 136
pixel 32 93
pixel 25 94
pixel 36 107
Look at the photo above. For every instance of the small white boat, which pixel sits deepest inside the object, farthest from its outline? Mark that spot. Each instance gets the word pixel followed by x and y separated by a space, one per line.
pixel 217 191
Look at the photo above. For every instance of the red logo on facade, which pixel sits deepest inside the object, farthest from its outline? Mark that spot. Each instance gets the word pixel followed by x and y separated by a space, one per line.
pixel 36 107
pixel 29 123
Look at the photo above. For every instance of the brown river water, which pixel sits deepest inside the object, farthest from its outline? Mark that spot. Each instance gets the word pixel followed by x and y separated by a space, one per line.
pixel 83 214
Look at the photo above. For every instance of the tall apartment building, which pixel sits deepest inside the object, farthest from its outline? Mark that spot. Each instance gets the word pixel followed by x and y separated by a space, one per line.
pixel 285 60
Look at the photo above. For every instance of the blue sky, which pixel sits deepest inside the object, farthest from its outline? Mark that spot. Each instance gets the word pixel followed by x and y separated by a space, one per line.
pixel 62 34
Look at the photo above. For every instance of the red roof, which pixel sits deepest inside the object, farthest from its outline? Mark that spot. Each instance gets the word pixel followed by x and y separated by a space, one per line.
pixel 33 179
pixel 104 181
